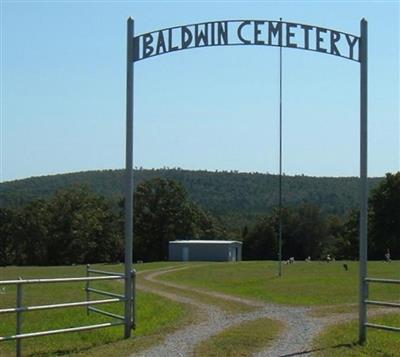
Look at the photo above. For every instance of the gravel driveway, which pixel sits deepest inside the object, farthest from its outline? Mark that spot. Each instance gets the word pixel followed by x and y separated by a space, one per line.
pixel 295 340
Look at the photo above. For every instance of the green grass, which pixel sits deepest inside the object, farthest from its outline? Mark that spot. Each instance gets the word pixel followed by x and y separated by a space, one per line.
pixel 328 310
pixel 225 305
pixel 301 284
pixel 315 284
pixel 341 340
pixel 156 316
pixel 241 340
pixel 140 267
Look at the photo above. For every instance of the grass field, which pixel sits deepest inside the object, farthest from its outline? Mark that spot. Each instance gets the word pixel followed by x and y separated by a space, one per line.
pixel 155 315
pixel 312 284
pixel 301 284
pixel 341 340
pixel 242 340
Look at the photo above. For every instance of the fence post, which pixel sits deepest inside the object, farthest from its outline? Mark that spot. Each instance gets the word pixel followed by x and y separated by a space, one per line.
pixel 87 288
pixel 133 298
pixel 19 317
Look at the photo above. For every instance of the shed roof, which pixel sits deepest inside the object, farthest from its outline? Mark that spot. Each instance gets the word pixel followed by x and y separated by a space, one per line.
pixel 204 242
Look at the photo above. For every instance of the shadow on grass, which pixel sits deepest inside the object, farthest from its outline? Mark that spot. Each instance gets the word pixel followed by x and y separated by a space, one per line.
pixel 62 352
pixel 347 345
pixel 71 351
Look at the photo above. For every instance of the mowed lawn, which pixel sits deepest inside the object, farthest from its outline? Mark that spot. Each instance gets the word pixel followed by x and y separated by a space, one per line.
pixel 314 283
pixel 302 283
pixel 156 316
pixel 341 340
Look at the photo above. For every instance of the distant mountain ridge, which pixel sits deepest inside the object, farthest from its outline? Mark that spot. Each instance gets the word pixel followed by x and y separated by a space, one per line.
pixel 222 193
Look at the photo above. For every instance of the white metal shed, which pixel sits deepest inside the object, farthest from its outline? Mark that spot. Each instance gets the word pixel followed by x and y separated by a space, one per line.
pixel 208 250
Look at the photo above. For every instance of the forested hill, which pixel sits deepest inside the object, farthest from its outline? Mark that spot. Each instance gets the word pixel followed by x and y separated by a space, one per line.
pixel 222 193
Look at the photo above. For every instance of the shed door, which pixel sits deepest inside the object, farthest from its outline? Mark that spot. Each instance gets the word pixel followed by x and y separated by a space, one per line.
pixel 234 258
pixel 185 254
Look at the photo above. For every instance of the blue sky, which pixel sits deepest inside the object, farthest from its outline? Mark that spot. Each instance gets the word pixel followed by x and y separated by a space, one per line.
pixel 63 91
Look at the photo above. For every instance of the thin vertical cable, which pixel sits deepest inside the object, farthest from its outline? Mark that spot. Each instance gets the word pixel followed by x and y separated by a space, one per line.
pixel 280 159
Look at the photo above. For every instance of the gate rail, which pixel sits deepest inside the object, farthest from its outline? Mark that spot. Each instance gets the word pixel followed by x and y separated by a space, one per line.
pixel 20 308
pixel 382 303
pixel 89 290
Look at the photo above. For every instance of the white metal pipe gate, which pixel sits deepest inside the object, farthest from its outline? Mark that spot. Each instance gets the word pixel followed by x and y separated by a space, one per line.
pixel 21 307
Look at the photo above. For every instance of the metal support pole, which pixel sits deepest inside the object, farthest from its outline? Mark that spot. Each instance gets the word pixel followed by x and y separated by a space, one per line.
pixel 129 180
pixel 19 318
pixel 87 288
pixel 363 180
pixel 134 299
pixel 280 164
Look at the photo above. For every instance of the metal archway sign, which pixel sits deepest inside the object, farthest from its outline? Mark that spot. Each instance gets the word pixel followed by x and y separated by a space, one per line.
pixel 247 33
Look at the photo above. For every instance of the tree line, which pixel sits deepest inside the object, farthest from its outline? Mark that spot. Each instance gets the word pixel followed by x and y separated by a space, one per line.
pixel 307 231
pixel 238 196
pixel 77 225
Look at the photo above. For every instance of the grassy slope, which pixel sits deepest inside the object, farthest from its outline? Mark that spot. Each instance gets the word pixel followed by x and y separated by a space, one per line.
pixel 341 340
pixel 302 283
pixel 156 316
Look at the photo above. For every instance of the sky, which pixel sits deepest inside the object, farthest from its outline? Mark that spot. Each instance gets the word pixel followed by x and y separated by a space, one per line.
pixel 63 82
